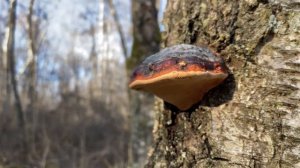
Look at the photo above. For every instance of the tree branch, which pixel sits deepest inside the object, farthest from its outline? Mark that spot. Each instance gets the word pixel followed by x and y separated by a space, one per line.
pixel 117 21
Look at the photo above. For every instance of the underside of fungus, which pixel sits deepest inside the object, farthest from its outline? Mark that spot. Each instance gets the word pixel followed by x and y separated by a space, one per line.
pixel 180 74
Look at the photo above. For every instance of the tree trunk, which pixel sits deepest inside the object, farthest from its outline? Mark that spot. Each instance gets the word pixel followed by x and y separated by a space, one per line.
pixel 31 60
pixel 146 35
pixel 146 39
pixel 5 67
pixel 31 115
pixel 9 54
pixel 252 119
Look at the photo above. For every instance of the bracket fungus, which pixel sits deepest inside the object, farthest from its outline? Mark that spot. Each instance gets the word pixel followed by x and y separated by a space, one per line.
pixel 180 74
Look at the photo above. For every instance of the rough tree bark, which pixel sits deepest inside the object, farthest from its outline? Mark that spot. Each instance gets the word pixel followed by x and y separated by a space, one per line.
pixel 252 119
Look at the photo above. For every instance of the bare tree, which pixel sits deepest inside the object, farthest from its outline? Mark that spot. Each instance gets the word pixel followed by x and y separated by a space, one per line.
pixel 93 91
pixel 5 67
pixel 119 27
pixel 31 60
pixel 70 129
pixel 9 56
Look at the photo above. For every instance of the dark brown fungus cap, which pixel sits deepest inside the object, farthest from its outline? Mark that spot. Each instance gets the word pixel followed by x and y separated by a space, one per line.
pixel 180 74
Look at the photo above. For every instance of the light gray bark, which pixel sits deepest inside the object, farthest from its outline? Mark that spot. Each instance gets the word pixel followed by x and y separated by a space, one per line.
pixel 252 119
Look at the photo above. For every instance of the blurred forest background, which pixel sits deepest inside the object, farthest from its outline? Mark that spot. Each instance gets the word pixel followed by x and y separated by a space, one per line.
pixel 64 71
